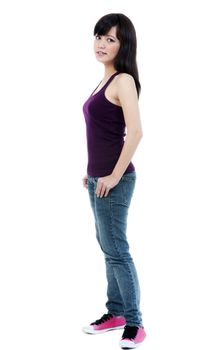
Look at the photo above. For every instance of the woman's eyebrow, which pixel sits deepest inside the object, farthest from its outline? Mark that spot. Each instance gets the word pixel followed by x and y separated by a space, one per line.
pixel 111 36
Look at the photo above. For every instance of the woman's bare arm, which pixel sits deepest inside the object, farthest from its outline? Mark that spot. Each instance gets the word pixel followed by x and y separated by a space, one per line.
pixel 127 96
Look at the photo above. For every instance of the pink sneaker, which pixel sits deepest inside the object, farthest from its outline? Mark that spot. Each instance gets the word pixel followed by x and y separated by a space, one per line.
pixel 132 337
pixel 107 322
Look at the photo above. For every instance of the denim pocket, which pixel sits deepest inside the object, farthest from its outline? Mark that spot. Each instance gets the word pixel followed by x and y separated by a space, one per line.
pixel 128 185
pixel 129 176
pixel 122 193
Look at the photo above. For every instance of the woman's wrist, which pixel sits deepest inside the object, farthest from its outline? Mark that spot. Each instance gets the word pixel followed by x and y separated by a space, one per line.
pixel 116 175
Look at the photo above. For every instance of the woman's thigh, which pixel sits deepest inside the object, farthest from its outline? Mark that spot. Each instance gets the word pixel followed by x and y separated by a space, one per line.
pixel 111 216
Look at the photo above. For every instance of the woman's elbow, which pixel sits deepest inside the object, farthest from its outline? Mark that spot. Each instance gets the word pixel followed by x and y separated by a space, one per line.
pixel 136 134
pixel 140 134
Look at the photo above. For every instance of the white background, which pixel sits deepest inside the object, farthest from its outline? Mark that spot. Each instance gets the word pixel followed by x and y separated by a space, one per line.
pixel 52 271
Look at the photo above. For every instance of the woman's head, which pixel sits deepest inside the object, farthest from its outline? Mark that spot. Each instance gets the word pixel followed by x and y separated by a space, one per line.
pixel 106 46
pixel 124 45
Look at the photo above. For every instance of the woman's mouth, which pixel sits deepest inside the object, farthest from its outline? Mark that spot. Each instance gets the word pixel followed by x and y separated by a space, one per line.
pixel 101 53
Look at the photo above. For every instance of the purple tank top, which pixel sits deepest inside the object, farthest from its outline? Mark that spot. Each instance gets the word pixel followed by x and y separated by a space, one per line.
pixel 105 130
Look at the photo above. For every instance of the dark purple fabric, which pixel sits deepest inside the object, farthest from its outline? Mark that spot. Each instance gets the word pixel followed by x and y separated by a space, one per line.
pixel 105 129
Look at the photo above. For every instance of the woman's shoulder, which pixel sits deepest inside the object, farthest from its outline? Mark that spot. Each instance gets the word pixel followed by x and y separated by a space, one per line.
pixel 125 82
pixel 124 78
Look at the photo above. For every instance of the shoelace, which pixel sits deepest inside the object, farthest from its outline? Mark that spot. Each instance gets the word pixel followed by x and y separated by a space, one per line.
pixel 103 319
pixel 129 332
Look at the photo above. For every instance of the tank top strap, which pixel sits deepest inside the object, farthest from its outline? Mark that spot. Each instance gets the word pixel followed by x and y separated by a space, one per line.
pixel 105 85
pixel 110 79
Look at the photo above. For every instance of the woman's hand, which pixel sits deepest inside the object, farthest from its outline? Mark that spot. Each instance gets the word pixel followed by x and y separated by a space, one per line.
pixel 104 184
pixel 85 181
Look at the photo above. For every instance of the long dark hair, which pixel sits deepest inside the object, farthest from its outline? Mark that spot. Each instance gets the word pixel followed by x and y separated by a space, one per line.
pixel 125 61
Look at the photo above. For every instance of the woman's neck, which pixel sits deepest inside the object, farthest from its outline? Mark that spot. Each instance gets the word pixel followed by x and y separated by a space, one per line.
pixel 108 72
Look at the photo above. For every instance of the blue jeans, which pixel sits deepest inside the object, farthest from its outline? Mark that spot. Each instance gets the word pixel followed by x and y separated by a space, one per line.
pixel 110 215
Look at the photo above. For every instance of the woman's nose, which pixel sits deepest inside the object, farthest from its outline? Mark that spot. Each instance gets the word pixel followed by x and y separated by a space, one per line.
pixel 101 44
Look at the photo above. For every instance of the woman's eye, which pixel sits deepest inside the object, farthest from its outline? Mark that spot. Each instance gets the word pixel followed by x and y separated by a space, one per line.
pixel 110 40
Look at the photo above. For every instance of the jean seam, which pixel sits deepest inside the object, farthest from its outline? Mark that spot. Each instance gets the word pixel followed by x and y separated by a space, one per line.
pixel 133 285
pixel 134 303
pixel 118 251
pixel 111 227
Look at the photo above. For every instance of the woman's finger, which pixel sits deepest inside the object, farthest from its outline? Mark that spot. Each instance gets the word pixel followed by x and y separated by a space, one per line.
pixel 98 187
pixel 107 191
pixel 103 189
pixel 85 182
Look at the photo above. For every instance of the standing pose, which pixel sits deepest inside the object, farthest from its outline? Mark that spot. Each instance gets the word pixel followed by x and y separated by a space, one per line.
pixel 111 109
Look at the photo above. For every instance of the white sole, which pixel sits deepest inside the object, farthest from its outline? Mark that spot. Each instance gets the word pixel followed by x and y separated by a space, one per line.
pixel 93 331
pixel 126 344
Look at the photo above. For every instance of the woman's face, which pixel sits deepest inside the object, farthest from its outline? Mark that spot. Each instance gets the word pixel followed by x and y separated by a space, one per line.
pixel 106 46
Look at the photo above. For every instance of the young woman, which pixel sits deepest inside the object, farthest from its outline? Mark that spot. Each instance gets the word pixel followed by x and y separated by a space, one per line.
pixel 111 176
